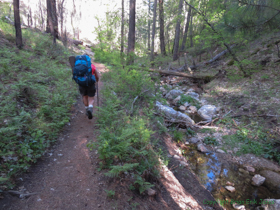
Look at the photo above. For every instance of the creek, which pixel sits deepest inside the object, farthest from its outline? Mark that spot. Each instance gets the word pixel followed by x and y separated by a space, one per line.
pixel 215 173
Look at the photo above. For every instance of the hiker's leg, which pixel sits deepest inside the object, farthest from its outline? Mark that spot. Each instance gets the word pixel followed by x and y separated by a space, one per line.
pixel 90 101
pixel 86 100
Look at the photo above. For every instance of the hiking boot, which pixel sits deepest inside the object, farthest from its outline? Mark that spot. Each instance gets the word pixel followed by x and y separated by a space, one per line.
pixel 89 112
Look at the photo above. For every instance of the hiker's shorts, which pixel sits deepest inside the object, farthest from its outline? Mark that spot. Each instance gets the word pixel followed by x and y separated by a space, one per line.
pixel 87 91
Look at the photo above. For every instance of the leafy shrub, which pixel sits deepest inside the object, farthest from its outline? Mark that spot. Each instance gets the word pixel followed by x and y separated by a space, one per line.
pixel 190 100
pixel 210 140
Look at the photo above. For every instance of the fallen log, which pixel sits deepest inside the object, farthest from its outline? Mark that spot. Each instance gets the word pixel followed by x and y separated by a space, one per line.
pixel 219 55
pixel 181 74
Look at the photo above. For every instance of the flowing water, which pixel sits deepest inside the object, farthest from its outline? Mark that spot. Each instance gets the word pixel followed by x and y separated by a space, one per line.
pixel 214 173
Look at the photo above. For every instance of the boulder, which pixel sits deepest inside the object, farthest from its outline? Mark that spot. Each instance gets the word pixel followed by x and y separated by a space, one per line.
pixel 272 180
pixel 202 148
pixel 173 114
pixel 258 163
pixel 173 94
pixel 271 204
pixel 206 112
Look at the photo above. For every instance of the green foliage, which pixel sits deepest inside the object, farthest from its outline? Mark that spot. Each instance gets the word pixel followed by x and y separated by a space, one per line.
pixel 141 184
pixel 190 100
pixel 190 132
pixel 210 140
pixel 257 142
pixel 110 193
pixel 36 95
pixel 124 143
pixel 206 130
pixel 178 136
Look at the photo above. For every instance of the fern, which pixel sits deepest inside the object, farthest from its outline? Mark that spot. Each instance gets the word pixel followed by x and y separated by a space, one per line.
pixel 116 170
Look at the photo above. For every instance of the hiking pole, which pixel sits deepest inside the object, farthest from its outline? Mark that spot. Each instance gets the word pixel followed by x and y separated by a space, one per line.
pixel 97 94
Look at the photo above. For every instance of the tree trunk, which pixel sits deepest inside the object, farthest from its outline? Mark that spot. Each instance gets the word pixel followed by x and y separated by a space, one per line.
pixel 191 31
pixel 161 23
pixel 186 29
pixel 122 30
pixel 17 24
pixel 131 33
pixel 177 33
pixel 149 26
pixel 52 24
pixel 154 30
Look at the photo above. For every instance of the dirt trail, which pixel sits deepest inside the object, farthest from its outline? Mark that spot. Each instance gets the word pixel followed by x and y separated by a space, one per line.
pixel 66 178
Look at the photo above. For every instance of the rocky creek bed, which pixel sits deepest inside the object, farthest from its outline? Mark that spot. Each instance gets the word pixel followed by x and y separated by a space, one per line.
pixel 236 182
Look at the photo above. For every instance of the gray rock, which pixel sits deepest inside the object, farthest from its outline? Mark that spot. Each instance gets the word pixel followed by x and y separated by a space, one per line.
pixel 220 151
pixel 206 112
pixel 258 163
pixel 271 204
pixel 193 140
pixel 250 169
pixel 176 157
pixel 175 101
pixel 173 114
pixel 230 188
pixel 186 104
pixel 238 206
pixel 183 163
pixel 258 180
pixel 182 108
pixel 192 110
pixel 202 148
pixel 151 192
pixel 272 180
pixel 173 94
pixel 193 95
pixel 190 90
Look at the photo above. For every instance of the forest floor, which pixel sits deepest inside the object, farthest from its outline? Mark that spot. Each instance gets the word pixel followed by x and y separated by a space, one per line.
pixel 67 177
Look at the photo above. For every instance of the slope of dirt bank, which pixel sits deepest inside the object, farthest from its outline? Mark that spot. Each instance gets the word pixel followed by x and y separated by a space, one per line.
pixel 68 178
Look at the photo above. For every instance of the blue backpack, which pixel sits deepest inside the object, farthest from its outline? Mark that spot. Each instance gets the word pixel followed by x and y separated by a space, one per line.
pixel 82 73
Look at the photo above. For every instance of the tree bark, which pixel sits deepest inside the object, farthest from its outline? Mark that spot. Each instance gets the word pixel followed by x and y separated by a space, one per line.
pixel 186 29
pixel 177 33
pixel 149 26
pixel 131 33
pixel 191 31
pixel 122 30
pixel 52 24
pixel 17 24
pixel 154 29
pixel 161 28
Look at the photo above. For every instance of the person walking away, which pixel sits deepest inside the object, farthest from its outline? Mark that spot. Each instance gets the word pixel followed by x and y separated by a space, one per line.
pixel 88 92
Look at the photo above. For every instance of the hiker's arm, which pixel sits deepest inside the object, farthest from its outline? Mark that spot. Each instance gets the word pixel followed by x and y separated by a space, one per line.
pixel 97 75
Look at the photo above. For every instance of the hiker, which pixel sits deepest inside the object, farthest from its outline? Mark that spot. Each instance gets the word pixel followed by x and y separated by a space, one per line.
pixel 88 93
pixel 87 87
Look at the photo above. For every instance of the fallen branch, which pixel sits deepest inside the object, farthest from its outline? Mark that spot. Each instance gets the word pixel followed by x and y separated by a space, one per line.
pixel 131 111
pixel 219 55
pixel 262 115
pixel 180 74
